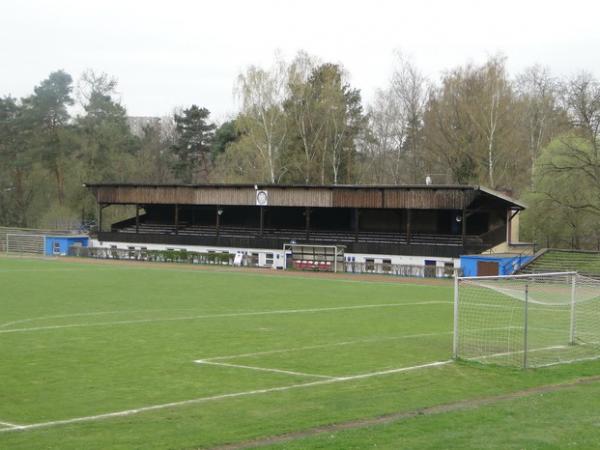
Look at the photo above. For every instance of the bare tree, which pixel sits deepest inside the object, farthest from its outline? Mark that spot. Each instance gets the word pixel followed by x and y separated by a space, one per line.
pixel 542 116
pixel 581 96
pixel 396 124
pixel 303 108
pixel 472 125
pixel 262 119
pixel 410 89
pixel 490 107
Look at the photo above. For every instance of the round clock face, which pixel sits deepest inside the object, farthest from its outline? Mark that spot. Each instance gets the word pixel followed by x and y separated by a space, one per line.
pixel 261 198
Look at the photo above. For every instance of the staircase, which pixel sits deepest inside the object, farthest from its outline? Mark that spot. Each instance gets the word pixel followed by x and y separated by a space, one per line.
pixel 554 260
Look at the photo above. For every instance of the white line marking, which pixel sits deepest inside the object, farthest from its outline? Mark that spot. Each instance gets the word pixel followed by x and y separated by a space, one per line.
pixel 317 346
pixel 10 425
pixel 390 371
pixel 264 369
pixel 342 343
pixel 44 270
pixel 538 349
pixel 130 412
pixel 212 316
pixel 96 313
pixel 589 358
pixel 517 352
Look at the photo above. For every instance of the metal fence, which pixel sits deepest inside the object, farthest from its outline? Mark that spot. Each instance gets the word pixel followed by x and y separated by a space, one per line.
pixel 401 270
pixel 228 259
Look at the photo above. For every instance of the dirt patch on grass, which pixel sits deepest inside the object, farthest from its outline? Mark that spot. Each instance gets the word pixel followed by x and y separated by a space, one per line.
pixel 397 417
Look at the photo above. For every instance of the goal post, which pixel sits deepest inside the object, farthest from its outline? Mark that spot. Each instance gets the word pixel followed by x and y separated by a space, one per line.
pixel 25 243
pixel 531 320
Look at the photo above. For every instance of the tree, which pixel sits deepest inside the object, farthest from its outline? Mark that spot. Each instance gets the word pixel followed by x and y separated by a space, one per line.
pixel 262 121
pixel 15 164
pixel 341 111
pixel 472 125
pixel 47 111
pixel 543 119
pixel 451 140
pixel 396 126
pixel 225 135
pixel 567 173
pixel 192 148
pixel 154 159
pixel 107 145
pixel 326 117
pixel 302 107
pixel 567 190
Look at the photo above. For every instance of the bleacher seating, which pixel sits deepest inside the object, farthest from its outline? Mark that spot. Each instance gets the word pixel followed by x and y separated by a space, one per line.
pixel 552 260
pixel 339 237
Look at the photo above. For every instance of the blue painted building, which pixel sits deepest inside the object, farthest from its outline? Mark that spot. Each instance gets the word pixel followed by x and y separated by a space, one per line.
pixel 59 245
pixel 501 264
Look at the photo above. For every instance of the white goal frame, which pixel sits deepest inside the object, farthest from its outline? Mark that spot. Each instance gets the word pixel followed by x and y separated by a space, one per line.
pixel 540 282
pixel 13 246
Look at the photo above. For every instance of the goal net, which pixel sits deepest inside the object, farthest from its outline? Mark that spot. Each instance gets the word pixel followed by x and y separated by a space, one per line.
pixel 25 243
pixel 527 320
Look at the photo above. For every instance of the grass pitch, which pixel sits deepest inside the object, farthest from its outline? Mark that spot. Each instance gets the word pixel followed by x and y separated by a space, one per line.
pixel 101 356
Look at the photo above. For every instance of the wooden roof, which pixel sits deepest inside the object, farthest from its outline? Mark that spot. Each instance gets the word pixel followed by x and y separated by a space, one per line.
pixel 327 196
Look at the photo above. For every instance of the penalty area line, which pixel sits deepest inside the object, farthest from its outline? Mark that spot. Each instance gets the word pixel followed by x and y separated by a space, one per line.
pixel 130 412
pixel 223 315
pixel 263 369
pixel 10 426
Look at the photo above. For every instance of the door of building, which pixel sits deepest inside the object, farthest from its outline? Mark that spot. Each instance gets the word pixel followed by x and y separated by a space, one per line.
pixel 487 268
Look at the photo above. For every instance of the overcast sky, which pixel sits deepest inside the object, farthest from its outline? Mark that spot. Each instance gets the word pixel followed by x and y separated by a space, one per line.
pixel 174 53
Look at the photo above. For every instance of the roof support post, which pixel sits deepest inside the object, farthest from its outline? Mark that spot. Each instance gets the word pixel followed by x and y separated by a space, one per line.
pixel 218 212
pixel 100 208
pixel 176 219
pixel 464 225
pixel 408 220
pixel 307 221
pixel 262 220
pixel 356 224
pixel 137 219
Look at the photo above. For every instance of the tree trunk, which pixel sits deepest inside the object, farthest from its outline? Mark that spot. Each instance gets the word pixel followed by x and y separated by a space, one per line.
pixel 60 184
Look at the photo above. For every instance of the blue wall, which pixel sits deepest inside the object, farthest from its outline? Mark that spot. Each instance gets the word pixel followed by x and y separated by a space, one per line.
pixel 63 242
pixel 507 265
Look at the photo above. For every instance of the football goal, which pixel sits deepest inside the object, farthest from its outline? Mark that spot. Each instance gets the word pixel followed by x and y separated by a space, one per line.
pixel 527 320
pixel 25 243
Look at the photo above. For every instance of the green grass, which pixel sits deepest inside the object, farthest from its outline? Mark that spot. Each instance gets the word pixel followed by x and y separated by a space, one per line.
pixel 82 339
pixel 556 420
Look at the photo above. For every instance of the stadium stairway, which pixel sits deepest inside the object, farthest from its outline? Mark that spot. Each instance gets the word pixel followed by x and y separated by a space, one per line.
pixel 557 260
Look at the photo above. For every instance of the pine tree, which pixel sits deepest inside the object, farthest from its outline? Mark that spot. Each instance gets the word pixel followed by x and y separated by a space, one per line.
pixel 192 148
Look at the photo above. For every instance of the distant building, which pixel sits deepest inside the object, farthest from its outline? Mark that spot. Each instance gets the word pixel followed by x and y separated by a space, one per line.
pixel 137 124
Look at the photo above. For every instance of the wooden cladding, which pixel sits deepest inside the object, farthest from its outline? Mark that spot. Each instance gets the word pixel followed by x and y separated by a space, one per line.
pixel 428 198
pixel 319 196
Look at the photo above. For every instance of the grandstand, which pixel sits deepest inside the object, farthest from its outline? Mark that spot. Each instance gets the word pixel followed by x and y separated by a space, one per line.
pixel 556 260
pixel 378 226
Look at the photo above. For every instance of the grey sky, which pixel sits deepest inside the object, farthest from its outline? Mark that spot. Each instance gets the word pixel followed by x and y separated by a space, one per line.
pixel 175 53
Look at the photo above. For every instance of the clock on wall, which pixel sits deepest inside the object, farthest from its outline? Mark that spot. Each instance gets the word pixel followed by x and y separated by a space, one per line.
pixel 262 198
